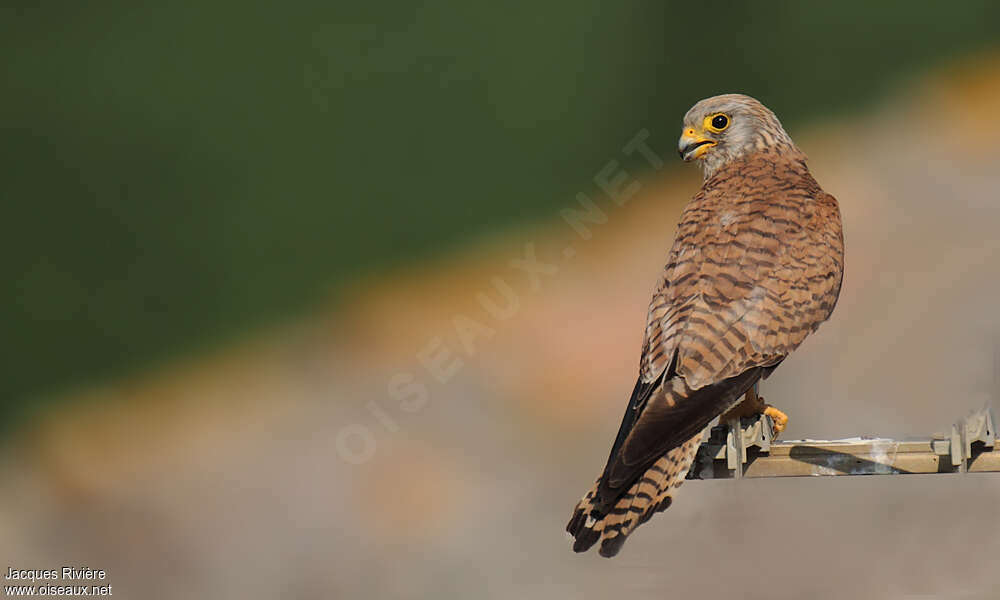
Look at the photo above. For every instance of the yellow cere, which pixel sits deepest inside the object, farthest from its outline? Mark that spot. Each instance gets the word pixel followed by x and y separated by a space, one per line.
pixel 690 136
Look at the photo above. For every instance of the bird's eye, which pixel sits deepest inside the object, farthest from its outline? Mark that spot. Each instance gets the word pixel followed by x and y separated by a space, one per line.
pixel 720 122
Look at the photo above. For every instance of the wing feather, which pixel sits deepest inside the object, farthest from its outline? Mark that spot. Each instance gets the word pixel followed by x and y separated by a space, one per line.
pixel 755 267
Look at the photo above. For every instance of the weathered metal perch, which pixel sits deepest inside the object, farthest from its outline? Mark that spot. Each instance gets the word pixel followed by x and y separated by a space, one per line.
pixel 970 447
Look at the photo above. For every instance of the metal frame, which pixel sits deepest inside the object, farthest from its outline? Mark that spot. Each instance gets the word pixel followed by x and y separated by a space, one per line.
pixel 748 449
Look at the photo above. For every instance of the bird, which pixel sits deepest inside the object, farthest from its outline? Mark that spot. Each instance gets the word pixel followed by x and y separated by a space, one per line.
pixel 756 266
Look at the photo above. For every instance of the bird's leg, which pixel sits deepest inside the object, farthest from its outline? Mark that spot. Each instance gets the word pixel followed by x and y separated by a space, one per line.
pixel 753 404
pixel 779 418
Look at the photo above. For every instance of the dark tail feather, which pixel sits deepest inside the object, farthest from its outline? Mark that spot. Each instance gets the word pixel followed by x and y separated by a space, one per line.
pixel 652 493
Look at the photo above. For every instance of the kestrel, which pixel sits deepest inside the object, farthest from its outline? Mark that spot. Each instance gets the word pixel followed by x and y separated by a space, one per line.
pixel 755 267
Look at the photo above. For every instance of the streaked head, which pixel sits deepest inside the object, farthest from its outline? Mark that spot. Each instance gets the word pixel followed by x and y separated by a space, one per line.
pixel 722 128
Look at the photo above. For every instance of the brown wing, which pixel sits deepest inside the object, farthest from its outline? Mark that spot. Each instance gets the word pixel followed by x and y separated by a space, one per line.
pixel 756 266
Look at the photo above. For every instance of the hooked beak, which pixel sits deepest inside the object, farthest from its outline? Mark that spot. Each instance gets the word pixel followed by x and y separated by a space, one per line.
pixel 692 146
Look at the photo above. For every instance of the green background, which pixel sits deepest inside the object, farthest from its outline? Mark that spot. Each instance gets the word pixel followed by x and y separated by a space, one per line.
pixel 175 175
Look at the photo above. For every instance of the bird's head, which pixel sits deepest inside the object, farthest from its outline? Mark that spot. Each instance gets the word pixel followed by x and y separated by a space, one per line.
pixel 722 128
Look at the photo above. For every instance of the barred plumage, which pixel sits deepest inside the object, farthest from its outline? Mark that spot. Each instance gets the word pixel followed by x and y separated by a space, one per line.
pixel 755 267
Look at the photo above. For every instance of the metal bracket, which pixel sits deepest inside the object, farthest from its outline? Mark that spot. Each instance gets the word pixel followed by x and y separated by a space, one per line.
pixel 977 427
pixel 754 432
pixel 724 444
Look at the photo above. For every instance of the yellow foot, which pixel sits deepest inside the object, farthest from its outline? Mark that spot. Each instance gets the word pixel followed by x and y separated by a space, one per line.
pixel 779 418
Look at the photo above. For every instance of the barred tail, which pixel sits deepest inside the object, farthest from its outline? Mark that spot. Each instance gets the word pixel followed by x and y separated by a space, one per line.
pixel 650 494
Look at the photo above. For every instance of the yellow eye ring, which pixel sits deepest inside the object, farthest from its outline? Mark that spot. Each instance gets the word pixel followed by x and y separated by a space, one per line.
pixel 717 122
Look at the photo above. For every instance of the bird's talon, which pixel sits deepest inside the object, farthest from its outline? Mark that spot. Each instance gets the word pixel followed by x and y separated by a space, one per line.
pixel 779 418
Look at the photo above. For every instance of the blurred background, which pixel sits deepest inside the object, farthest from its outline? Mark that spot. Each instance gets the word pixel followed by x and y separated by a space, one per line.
pixel 268 330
